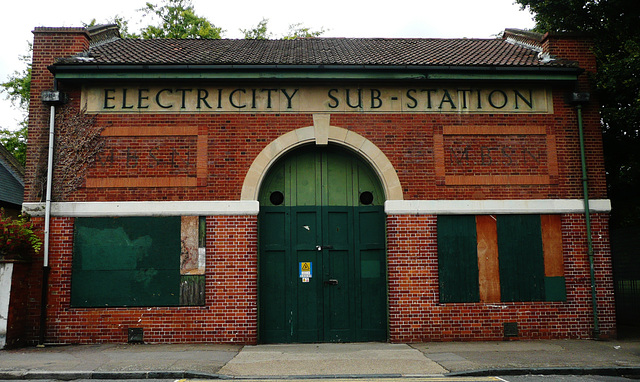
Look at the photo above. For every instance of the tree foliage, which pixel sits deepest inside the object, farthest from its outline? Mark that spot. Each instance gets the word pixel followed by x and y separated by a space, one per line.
pixel 614 27
pixel 19 238
pixel 178 20
pixel 259 32
pixel 18 85
pixel 300 31
pixel 17 89
pixel 15 141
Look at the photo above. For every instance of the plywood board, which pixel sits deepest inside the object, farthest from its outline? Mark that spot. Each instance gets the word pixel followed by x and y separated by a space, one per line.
pixel 488 266
pixel 552 245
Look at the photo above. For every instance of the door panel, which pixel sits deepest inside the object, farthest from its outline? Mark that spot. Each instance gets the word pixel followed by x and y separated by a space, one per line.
pixel 307 315
pixel 275 290
pixel 337 320
pixel 339 260
pixel 338 181
pixel 370 250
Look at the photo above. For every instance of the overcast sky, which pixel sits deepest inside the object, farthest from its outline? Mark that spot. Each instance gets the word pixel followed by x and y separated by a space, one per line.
pixel 340 18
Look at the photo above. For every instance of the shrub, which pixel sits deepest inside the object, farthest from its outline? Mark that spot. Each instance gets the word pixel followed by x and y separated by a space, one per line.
pixel 19 239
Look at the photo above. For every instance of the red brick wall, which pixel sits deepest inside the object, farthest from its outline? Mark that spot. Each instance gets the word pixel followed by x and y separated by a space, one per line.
pixel 579 48
pixel 232 142
pixel 415 313
pixel 49 44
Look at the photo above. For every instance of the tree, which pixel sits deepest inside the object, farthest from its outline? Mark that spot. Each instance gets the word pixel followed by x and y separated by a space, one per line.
pixel 15 141
pixel 300 31
pixel 18 86
pixel 614 27
pixel 178 20
pixel 259 32
pixel 17 89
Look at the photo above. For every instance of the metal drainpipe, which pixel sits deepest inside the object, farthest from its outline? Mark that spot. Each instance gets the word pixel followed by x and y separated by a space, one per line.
pixel 587 216
pixel 47 217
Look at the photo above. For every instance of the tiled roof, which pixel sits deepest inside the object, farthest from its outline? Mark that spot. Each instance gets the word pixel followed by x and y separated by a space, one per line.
pixel 315 51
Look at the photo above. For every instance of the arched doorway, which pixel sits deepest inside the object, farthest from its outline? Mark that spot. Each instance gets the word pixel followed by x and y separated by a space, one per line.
pixel 322 258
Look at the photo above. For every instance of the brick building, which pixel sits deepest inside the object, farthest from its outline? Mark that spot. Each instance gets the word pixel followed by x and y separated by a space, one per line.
pixel 328 189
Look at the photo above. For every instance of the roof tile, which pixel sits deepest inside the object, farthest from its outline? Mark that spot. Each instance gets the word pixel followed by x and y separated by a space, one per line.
pixel 314 51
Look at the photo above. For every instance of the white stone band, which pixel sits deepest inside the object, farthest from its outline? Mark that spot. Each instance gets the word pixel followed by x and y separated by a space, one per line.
pixel 484 207
pixel 174 208
pixel 252 207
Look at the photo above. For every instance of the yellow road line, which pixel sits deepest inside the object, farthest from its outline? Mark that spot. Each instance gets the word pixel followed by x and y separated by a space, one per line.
pixel 356 379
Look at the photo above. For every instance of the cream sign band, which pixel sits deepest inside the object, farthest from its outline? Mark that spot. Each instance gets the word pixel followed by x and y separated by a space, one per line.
pixel 247 99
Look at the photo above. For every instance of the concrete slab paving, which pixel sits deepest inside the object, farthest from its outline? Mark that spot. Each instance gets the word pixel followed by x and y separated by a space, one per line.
pixel 330 359
pixel 466 356
pixel 119 358
pixel 177 361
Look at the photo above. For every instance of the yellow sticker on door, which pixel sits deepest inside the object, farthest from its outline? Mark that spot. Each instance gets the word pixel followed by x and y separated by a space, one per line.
pixel 306 270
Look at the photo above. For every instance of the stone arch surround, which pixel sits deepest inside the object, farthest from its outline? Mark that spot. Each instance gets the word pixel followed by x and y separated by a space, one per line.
pixel 321 133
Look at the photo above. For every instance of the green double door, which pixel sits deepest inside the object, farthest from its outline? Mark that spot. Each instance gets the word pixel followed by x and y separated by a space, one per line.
pixel 322 260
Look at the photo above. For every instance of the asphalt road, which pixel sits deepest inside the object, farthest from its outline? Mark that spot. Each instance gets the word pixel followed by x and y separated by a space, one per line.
pixel 518 378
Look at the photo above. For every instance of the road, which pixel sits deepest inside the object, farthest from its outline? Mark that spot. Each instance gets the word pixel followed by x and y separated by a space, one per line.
pixel 518 378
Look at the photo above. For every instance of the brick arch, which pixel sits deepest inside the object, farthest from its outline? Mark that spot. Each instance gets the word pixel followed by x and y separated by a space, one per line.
pixel 321 134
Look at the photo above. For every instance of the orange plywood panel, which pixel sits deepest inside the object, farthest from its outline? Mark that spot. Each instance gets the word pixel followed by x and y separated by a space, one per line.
pixel 552 245
pixel 488 266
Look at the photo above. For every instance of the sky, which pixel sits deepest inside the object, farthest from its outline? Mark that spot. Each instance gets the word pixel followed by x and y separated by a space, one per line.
pixel 339 18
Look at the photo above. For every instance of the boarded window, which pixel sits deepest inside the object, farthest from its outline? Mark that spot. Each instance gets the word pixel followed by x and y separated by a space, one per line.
pixel 492 258
pixel 136 261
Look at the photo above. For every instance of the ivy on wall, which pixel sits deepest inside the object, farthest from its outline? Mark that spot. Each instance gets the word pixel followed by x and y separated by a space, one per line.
pixel 77 145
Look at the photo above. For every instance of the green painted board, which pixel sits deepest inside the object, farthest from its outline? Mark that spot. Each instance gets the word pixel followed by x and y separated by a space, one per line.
pixel 458 259
pixel 555 288
pixel 132 261
pixel 521 258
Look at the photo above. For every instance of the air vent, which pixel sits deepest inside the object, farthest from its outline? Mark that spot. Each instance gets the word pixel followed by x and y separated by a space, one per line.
pixel 510 329
pixel 136 335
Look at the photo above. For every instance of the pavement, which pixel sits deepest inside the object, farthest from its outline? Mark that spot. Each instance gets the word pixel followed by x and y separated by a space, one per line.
pixel 372 360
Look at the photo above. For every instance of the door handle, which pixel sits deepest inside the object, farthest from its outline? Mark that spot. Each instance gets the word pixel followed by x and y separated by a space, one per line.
pixel 321 247
pixel 331 282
